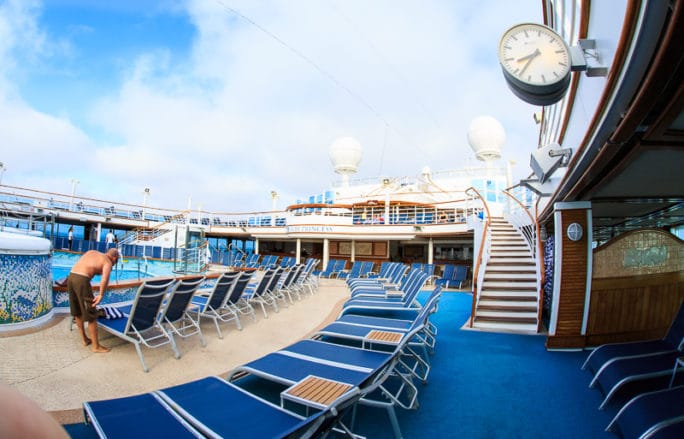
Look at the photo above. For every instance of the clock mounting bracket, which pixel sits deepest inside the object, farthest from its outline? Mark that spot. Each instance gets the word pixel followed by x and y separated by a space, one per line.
pixel 580 53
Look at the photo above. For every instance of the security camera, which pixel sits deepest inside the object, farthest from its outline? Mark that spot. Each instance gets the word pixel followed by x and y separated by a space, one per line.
pixel 545 160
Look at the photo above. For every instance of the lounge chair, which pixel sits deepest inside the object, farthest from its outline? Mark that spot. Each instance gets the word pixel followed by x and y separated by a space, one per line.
pixel 385 290
pixel 208 407
pixel 307 281
pixel 287 286
pixel 259 292
pixel 405 300
pixel 335 266
pixel 213 306
pixel 236 299
pixel 369 336
pixel 140 324
pixel 605 354
pixel 368 370
pixel 640 369
pixel 179 316
pixel 353 272
pixel 446 276
pixel 393 275
pixel 652 414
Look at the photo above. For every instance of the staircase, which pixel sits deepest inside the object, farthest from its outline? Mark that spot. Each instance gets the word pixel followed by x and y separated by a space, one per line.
pixel 509 296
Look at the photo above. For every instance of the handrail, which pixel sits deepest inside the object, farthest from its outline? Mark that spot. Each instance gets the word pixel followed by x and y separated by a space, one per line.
pixel 478 261
pixel 542 267
pixel 531 239
pixel 535 244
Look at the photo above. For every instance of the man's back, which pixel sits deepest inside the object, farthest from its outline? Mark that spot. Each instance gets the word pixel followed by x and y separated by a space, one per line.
pixel 91 263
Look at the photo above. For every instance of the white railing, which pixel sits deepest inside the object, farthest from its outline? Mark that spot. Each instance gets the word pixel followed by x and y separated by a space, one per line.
pixel 479 217
pixel 521 216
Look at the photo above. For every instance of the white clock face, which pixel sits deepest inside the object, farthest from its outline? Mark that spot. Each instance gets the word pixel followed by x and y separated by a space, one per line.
pixel 534 54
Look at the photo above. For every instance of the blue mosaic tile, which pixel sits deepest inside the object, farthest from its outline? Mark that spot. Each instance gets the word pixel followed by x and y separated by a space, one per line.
pixel 25 287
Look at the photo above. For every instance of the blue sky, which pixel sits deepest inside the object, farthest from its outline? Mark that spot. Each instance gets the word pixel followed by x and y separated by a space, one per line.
pixel 218 102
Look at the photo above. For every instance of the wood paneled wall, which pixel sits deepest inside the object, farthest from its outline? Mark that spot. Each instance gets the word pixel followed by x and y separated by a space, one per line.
pixel 573 282
pixel 637 287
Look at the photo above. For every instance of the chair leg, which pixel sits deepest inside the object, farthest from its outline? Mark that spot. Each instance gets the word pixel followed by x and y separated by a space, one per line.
pixel 140 355
pixel 218 329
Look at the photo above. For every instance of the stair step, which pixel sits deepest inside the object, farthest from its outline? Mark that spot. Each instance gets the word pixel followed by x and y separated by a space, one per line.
pixel 521 269
pixel 507 293
pixel 495 260
pixel 525 328
pixel 506 305
pixel 505 245
pixel 508 283
pixel 513 254
pixel 511 277
pixel 524 317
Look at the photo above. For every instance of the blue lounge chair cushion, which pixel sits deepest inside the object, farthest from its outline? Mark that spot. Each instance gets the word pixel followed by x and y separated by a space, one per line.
pixel 229 411
pixel 136 416
pixel 288 369
pixel 647 411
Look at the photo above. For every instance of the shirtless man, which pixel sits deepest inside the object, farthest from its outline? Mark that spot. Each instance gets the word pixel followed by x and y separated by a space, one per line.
pixel 81 300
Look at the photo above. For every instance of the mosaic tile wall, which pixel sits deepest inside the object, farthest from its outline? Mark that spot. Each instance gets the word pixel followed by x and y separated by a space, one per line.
pixel 25 287
pixel 640 252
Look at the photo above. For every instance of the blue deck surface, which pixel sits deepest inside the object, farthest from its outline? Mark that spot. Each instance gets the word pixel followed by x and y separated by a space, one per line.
pixel 486 385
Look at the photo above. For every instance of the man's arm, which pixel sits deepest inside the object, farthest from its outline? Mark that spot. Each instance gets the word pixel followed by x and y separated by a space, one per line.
pixel 104 282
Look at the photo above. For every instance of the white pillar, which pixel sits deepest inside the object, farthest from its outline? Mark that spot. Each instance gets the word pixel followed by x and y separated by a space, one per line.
pixel 431 249
pixel 353 251
pixel 298 251
pixel 326 252
pixel 256 246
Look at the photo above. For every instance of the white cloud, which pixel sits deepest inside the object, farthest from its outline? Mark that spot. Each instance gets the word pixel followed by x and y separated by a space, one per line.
pixel 256 105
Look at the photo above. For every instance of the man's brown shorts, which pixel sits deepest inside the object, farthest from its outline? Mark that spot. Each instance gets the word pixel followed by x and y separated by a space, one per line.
pixel 81 297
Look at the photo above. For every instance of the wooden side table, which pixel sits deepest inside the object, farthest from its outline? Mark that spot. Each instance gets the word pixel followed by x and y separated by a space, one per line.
pixel 383 337
pixel 315 392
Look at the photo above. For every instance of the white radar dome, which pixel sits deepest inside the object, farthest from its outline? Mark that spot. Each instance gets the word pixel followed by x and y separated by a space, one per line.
pixel 486 136
pixel 345 155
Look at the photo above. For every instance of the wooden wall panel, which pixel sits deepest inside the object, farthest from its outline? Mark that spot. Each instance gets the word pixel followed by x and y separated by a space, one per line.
pixel 631 308
pixel 573 277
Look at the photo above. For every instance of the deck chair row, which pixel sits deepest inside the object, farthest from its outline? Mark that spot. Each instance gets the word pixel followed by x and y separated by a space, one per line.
pixel 656 368
pixel 348 375
pixel 163 309
pixel 383 356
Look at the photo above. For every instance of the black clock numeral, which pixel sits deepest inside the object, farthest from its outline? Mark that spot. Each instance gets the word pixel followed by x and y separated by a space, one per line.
pixel 543 78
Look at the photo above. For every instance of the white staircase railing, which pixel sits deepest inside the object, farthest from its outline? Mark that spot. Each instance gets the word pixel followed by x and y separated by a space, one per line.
pixel 478 212
pixel 521 217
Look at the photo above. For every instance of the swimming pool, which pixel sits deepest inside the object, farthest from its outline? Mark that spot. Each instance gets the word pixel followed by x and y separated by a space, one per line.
pixel 60 273
pixel 126 269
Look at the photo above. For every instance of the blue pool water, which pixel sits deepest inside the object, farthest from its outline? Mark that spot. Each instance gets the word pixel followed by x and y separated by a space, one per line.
pixel 126 269
pixel 60 273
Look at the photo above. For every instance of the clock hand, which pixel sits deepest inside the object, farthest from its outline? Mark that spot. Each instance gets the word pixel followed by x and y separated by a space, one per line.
pixel 530 57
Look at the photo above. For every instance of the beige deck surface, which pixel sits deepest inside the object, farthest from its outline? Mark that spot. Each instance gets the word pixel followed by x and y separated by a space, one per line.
pixel 51 367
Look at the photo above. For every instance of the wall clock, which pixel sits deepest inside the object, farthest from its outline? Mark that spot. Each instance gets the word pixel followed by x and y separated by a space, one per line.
pixel 536 63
